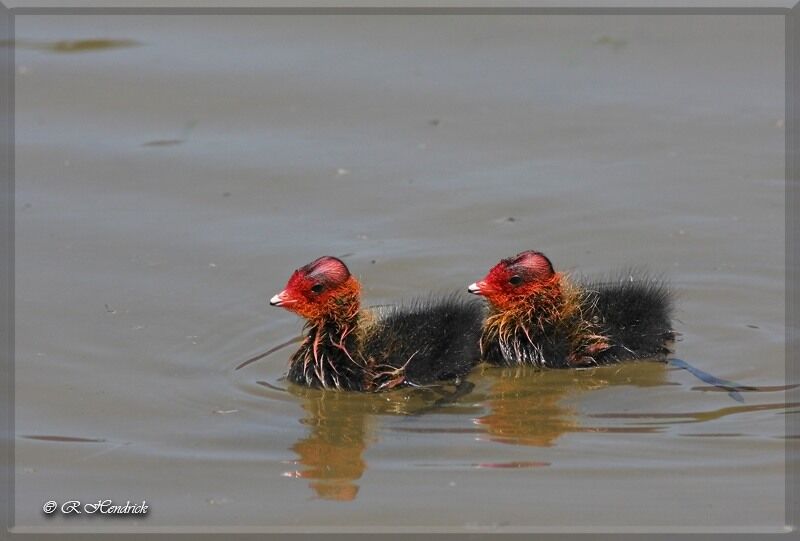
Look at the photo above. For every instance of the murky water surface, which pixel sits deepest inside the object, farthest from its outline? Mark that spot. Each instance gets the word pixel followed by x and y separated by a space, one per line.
pixel 172 172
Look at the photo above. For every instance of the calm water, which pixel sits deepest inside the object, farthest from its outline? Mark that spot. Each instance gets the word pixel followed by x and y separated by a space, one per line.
pixel 171 177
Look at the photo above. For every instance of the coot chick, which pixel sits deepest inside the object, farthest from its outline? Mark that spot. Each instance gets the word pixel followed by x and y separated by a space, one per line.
pixel 542 318
pixel 349 348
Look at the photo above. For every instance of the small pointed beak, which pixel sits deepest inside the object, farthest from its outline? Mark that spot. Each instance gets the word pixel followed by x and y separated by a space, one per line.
pixel 279 300
pixel 475 288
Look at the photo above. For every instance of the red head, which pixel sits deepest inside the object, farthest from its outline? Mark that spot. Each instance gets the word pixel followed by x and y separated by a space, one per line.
pixel 516 279
pixel 323 288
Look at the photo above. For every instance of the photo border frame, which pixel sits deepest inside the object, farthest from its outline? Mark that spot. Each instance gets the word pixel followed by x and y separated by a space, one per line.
pixel 792 255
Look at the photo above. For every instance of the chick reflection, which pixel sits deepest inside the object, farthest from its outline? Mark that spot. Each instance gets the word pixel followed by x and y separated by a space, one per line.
pixel 526 406
pixel 340 430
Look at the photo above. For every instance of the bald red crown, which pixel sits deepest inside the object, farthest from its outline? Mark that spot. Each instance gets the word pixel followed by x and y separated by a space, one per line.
pixel 516 278
pixel 312 286
pixel 534 264
pixel 327 268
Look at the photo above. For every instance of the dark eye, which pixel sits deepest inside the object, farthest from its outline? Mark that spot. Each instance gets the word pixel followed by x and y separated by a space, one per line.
pixel 515 280
pixel 317 288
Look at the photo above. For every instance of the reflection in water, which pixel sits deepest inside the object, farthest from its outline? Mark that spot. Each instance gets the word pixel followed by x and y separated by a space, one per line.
pixel 519 406
pixel 524 408
pixel 332 452
pixel 525 405
pixel 331 455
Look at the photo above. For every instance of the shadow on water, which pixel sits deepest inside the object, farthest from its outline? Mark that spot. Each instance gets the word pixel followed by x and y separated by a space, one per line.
pixel 270 351
pixel 72 46
pixel 748 388
pixel 696 416
pixel 181 138
pixel 64 439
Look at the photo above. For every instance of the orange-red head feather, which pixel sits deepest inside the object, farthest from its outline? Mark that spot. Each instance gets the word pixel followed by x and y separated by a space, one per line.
pixel 322 289
pixel 516 279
